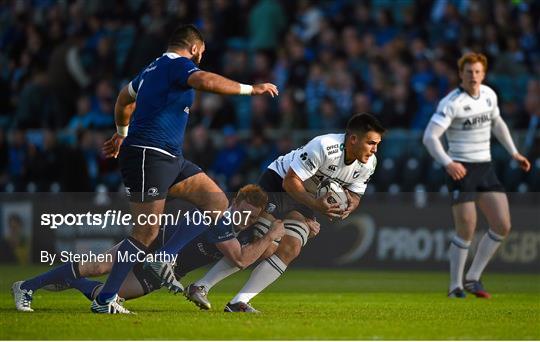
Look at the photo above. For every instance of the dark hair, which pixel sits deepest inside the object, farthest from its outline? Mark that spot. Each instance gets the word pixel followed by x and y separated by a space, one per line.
pixel 253 194
pixel 363 123
pixel 185 36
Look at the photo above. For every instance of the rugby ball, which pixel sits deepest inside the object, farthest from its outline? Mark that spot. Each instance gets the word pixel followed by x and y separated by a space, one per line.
pixel 337 193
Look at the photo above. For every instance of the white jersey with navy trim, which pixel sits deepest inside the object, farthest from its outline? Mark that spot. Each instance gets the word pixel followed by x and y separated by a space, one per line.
pixel 467 121
pixel 324 157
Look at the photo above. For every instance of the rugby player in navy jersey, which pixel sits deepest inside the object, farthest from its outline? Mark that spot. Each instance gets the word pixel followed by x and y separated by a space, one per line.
pixel 229 238
pixel 151 114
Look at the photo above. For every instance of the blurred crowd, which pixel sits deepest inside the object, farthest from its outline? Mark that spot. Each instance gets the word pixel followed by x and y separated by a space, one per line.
pixel 62 64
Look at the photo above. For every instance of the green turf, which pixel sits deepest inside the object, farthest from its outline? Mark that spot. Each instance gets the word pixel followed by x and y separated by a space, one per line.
pixel 304 304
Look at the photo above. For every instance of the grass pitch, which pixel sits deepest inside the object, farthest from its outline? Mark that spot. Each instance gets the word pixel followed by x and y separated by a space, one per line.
pixel 303 304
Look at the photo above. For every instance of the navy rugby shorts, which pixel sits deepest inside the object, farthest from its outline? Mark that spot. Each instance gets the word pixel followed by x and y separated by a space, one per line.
pixel 148 174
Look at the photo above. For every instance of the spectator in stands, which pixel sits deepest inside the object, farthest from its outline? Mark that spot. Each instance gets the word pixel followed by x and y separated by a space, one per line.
pixel 362 55
pixel 266 24
pixel 67 77
pixel 229 159
pixel 34 104
pixel 531 145
pixel 14 247
pixel 200 148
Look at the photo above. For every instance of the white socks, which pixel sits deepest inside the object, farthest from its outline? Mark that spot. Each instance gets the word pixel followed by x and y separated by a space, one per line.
pixel 263 275
pixel 221 270
pixel 457 255
pixel 486 249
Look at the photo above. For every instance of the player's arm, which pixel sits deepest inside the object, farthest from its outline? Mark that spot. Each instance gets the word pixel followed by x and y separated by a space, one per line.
pixel 243 256
pixel 294 186
pixel 502 133
pixel 208 81
pixel 123 109
pixel 432 141
pixel 353 200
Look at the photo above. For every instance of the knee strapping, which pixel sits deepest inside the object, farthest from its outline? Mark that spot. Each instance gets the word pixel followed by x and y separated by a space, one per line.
pixel 297 229
pixel 261 227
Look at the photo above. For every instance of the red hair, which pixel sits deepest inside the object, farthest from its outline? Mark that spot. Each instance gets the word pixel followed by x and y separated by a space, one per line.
pixel 471 58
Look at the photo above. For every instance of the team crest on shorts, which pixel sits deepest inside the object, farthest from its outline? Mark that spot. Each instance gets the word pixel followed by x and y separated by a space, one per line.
pixel 152 192
pixel 270 208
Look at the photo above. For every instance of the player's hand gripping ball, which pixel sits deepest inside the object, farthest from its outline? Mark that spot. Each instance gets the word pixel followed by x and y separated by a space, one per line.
pixel 337 193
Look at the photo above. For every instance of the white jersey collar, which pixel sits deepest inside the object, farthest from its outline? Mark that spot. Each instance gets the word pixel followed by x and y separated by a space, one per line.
pixel 172 55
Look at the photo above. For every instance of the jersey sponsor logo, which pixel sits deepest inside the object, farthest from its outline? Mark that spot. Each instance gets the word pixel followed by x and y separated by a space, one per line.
pixel 476 121
pixel 150 68
pixel 192 70
pixel 307 161
pixel 332 167
pixel 227 235
pixel 317 179
pixel 152 192
pixel 202 250
pixel 332 149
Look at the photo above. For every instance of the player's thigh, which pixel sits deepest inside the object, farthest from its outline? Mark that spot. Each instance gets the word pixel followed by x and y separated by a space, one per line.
pixel 464 214
pixel 202 191
pixel 494 206
pixel 95 269
pixel 146 217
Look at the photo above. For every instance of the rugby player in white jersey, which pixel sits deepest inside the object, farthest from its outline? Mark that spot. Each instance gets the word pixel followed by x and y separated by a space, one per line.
pixel 291 182
pixel 468 116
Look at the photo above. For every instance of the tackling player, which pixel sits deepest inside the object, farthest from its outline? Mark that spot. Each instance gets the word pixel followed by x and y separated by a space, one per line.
pixel 291 182
pixel 468 116
pixel 234 242
pixel 155 107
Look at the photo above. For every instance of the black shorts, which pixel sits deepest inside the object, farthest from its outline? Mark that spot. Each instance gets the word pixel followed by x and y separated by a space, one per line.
pixel 147 281
pixel 148 174
pixel 280 203
pixel 197 253
pixel 480 177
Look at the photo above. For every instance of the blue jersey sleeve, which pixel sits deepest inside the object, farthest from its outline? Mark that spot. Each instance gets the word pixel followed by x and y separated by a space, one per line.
pixel 219 233
pixel 133 86
pixel 182 69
